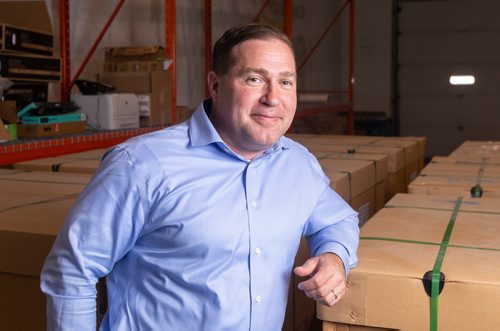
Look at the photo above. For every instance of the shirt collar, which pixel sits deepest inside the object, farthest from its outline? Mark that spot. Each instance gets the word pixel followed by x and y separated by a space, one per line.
pixel 202 132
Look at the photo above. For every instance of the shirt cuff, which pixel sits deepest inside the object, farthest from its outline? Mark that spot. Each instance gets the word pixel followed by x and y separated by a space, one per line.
pixel 340 251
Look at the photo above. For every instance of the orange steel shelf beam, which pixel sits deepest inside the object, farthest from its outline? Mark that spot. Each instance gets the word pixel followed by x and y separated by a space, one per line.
pixel 349 105
pixel 170 42
pixel 64 48
pixel 40 148
pixel 208 43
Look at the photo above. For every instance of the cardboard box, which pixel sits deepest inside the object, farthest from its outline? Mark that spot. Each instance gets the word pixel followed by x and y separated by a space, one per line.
pixel 17 66
pixel 135 53
pixel 60 164
pixel 483 169
pixel 33 206
pixel 454 185
pixel 413 151
pixel 456 176
pixel 21 39
pixel 402 243
pixel 160 65
pixel 379 166
pixel 412 155
pixel 157 84
pixel 361 176
pixel 25 93
pixel 8 111
pixel 28 14
pixel 27 234
pixel 477 148
pixel 49 178
pixel 395 182
pixel 50 130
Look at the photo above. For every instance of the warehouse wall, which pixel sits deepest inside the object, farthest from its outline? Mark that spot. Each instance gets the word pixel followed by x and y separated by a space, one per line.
pixel 458 38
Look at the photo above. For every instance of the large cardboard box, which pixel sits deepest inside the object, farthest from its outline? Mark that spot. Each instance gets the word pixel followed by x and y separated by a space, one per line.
pixel 455 185
pixel 466 169
pixel 135 53
pixel 33 206
pixel 156 84
pixel 26 235
pixel 60 164
pixel 412 154
pixel 29 14
pixel 50 130
pixel 401 244
pixel 477 148
pixel 445 175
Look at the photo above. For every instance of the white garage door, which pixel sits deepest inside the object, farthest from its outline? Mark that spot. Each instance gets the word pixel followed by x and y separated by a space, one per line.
pixel 439 39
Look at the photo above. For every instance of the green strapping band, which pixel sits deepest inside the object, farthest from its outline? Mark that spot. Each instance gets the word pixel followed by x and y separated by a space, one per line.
pixel 480 173
pixel 444 209
pixel 436 271
pixel 437 266
pixel 431 243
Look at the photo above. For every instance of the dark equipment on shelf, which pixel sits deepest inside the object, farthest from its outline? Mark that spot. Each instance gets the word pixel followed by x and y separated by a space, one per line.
pixel 88 87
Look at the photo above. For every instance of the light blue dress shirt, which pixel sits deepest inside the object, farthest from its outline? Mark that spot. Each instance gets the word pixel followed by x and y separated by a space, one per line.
pixel 191 235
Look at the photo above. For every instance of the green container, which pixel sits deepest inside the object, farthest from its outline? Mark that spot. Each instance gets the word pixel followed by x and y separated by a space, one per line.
pixel 12 129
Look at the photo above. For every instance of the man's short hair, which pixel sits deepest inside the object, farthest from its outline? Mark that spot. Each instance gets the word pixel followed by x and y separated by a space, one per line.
pixel 222 56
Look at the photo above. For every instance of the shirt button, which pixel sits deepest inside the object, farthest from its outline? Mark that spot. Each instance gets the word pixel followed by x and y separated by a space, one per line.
pixel 254 204
pixel 258 299
pixel 258 251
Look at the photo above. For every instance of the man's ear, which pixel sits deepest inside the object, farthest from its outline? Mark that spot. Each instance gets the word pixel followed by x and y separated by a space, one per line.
pixel 213 84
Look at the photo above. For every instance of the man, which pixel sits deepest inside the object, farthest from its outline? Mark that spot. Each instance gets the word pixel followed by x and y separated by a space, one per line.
pixel 196 226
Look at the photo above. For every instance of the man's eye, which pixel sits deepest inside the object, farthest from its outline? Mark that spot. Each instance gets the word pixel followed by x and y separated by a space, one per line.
pixel 287 83
pixel 253 80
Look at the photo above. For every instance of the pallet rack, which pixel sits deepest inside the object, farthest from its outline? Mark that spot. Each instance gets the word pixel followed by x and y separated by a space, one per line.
pixel 18 151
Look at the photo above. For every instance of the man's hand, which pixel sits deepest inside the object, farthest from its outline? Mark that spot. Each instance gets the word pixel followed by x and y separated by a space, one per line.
pixel 327 282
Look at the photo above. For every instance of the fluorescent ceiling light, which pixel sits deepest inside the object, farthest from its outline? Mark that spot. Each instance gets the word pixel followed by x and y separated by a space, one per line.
pixel 462 80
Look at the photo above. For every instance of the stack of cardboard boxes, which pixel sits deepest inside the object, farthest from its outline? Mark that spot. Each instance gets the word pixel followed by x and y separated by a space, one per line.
pixel 35 197
pixel 366 171
pixel 142 70
pixel 429 259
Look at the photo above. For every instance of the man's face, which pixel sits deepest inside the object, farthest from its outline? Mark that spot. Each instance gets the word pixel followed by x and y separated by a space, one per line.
pixel 254 103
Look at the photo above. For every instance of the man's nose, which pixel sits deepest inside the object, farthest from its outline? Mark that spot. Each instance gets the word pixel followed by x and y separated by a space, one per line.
pixel 270 96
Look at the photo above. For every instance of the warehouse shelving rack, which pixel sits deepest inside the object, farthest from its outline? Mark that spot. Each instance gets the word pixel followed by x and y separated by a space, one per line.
pixel 21 150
